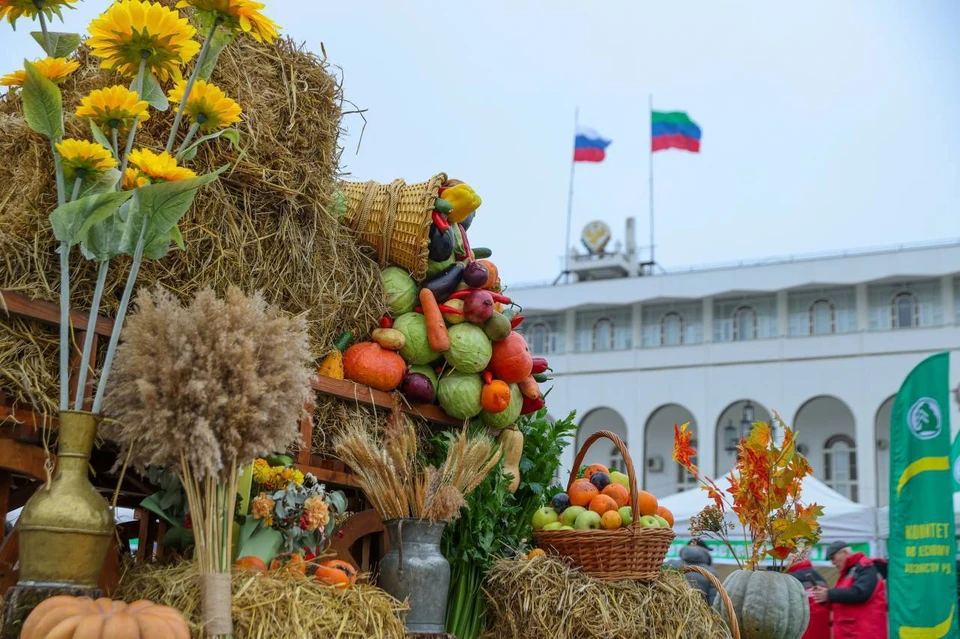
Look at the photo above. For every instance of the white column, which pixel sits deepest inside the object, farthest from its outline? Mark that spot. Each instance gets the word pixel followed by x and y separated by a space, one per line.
pixel 637 325
pixel 866 457
pixel 570 330
pixel 946 297
pixel 707 319
pixel 706 443
pixel 863 308
pixel 783 314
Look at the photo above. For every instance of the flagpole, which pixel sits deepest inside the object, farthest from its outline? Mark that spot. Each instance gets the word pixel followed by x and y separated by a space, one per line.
pixel 653 262
pixel 573 166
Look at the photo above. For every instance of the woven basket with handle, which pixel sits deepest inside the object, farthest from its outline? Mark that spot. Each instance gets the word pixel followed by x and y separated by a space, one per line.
pixel 732 622
pixel 394 220
pixel 633 552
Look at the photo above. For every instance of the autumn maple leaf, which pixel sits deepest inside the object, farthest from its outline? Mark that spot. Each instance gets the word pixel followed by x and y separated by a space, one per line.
pixel 683 450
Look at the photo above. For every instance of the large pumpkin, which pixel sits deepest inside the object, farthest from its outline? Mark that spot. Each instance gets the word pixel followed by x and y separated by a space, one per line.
pixel 336 572
pixel 74 617
pixel 769 605
pixel 370 364
pixel 511 360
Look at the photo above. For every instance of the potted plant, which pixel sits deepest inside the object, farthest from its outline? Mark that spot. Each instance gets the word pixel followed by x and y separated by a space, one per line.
pixel 764 496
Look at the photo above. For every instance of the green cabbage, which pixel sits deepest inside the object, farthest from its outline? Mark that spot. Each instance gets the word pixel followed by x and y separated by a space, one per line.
pixel 470 348
pixel 459 394
pixel 508 415
pixel 399 289
pixel 416 349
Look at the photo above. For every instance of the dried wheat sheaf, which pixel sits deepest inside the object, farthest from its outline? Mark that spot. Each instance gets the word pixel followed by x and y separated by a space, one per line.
pixel 210 383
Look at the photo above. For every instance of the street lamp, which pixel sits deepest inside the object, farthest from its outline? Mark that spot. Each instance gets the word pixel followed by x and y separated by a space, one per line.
pixel 730 437
pixel 746 424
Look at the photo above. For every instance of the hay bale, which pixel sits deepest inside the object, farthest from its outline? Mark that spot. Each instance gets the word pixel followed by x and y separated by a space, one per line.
pixel 544 597
pixel 272 605
pixel 264 225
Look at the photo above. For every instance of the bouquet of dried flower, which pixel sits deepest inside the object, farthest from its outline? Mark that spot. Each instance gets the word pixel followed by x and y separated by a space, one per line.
pixel 397 481
pixel 204 388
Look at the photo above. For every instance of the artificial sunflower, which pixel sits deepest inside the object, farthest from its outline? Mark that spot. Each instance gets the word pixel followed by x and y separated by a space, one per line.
pixel 158 168
pixel 54 69
pixel 115 107
pixel 82 159
pixel 134 179
pixel 14 9
pixel 237 16
pixel 207 105
pixel 131 31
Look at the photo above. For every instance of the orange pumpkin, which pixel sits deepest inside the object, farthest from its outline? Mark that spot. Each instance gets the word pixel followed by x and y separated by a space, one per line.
pixel 495 397
pixel 511 360
pixel 75 617
pixel 252 563
pixel 370 364
pixel 336 572
pixel 289 563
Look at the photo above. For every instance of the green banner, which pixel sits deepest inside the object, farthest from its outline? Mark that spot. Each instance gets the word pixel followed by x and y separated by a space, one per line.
pixel 955 463
pixel 922 549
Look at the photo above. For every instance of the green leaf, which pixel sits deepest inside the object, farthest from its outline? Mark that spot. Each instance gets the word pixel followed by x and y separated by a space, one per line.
pixel 160 246
pixel 100 136
pixel 73 220
pixel 152 503
pixel 106 182
pixel 153 93
pixel 337 500
pixel 42 103
pixel 191 151
pixel 221 39
pixel 264 543
pixel 61 44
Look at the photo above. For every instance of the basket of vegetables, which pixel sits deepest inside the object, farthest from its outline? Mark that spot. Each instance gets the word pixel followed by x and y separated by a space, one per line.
pixel 627 550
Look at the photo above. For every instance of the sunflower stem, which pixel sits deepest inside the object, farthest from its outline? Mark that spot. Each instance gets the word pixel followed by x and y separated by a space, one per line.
pixel 76 188
pixel 43 27
pixel 113 139
pixel 186 92
pixel 192 132
pixel 91 331
pixel 64 325
pixel 138 84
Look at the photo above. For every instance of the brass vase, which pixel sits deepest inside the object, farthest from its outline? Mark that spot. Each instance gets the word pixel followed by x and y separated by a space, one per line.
pixel 65 529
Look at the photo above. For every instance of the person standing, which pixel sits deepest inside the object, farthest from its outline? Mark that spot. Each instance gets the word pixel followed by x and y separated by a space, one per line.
pixel 859 600
pixel 697 553
pixel 803 570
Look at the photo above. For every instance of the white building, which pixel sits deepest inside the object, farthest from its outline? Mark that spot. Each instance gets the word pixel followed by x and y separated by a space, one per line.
pixel 823 340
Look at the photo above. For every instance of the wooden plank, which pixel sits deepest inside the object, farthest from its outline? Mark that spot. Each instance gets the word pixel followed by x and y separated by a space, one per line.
pixel 22 458
pixel 327 476
pixel 346 389
pixel 26 417
pixel 16 304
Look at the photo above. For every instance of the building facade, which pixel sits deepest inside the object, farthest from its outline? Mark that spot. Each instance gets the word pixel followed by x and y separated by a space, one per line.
pixel 823 341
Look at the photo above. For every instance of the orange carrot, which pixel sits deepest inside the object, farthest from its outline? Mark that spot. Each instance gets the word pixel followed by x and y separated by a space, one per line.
pixel 436 328
pixel 530 388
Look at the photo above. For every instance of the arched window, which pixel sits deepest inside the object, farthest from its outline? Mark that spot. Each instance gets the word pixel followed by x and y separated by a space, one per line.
pixel 671 329
pixel 840 465
pixel 540 338
pixel 744 324
pixel 603 334
pixel 823 318
pixel 616 461
pixel 904 310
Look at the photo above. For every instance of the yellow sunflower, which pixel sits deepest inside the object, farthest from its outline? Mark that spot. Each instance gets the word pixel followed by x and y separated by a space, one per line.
pixel 113 108
pixel 131 31
pixel 207 105
pixel 14 9
pixel 134 179
pixel 237 16
pixel 81 159
pixel 54 69
pixel 158 168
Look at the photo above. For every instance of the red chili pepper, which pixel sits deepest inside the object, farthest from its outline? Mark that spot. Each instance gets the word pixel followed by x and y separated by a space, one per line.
pixel 516 320
pixel 459 295
pixel 449 309
pixel 468 254
pixel 386 322
pixel 503 299
pixel 532 405
pixel 540 365
pixel 487 377
pixel 440 222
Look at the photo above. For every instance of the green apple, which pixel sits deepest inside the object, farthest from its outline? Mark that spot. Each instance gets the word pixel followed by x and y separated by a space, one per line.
pixel 663 522
pixel 616 477
pixel 587 520
pixel 626 515
pixel 566 528
pixel 544 515
pixel 557 525
pixel 570 515
pixel 649 521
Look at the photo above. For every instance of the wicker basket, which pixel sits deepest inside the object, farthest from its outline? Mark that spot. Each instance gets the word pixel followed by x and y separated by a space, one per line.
pixel 633 552
pixel 394 219
pixel 732 622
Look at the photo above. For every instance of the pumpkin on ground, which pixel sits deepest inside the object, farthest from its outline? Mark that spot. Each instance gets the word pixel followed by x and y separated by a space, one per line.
pixel 82 617
pixel 769 605
pixel 336 572
pixel 511 360
pixel 289 563
pixel 370 364
pixel 251 563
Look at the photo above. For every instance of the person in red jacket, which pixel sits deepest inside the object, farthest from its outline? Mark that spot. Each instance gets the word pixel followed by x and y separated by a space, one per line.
pixel 819 627
pixel 859 600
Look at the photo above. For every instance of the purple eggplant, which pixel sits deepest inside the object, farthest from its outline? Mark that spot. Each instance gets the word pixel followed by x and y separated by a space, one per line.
pixel 441 243
pixel 444 284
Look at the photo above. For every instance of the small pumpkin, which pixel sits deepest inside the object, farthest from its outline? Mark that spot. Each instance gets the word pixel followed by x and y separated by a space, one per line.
pixel 82 617
pixel 511 443
pixel 495 397
pixel 511 360
pixel 332 364
pixel 336 572
pixel 370 364
pixel 254 564
pixel 292 563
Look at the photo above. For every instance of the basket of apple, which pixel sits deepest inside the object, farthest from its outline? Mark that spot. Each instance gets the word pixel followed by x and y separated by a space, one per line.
pixel 604 523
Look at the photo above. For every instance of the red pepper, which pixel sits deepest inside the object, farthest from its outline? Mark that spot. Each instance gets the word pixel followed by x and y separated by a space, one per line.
pixel 487 377
pixel 467 253
pixel 503 299
pixel 443 309
pixel 516 320
pixel 386 322
pixel 497 297
pixel 532 405
pixel 540 365
pixel 440 222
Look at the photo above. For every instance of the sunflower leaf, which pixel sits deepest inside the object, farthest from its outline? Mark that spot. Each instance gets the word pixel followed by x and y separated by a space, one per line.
pixel 191 151
pixel 105 182
pixel 72 221
pixel 102 241
pixel 42 103
pixel 221 38
pixel 153 93
pixel 61 44
pixel 100 136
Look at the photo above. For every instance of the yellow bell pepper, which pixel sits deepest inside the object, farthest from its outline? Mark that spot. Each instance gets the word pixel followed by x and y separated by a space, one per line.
pixel 464 201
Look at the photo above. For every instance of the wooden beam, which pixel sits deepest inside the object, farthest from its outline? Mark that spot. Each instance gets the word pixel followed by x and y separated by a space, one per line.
pixel 26 417
pixel 340 478
pixel 16 304
pixel 347 390
pixel 23 458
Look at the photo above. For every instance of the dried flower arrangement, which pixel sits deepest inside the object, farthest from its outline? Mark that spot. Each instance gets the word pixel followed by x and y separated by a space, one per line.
pixel 397 481
pixel 204 388
pixel 764 494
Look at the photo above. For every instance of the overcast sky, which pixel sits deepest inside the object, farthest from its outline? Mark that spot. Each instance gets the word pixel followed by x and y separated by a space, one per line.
pixel 826 125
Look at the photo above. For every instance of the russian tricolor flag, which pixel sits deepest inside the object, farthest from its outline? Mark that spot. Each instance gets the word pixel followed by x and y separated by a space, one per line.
pixel 589 146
